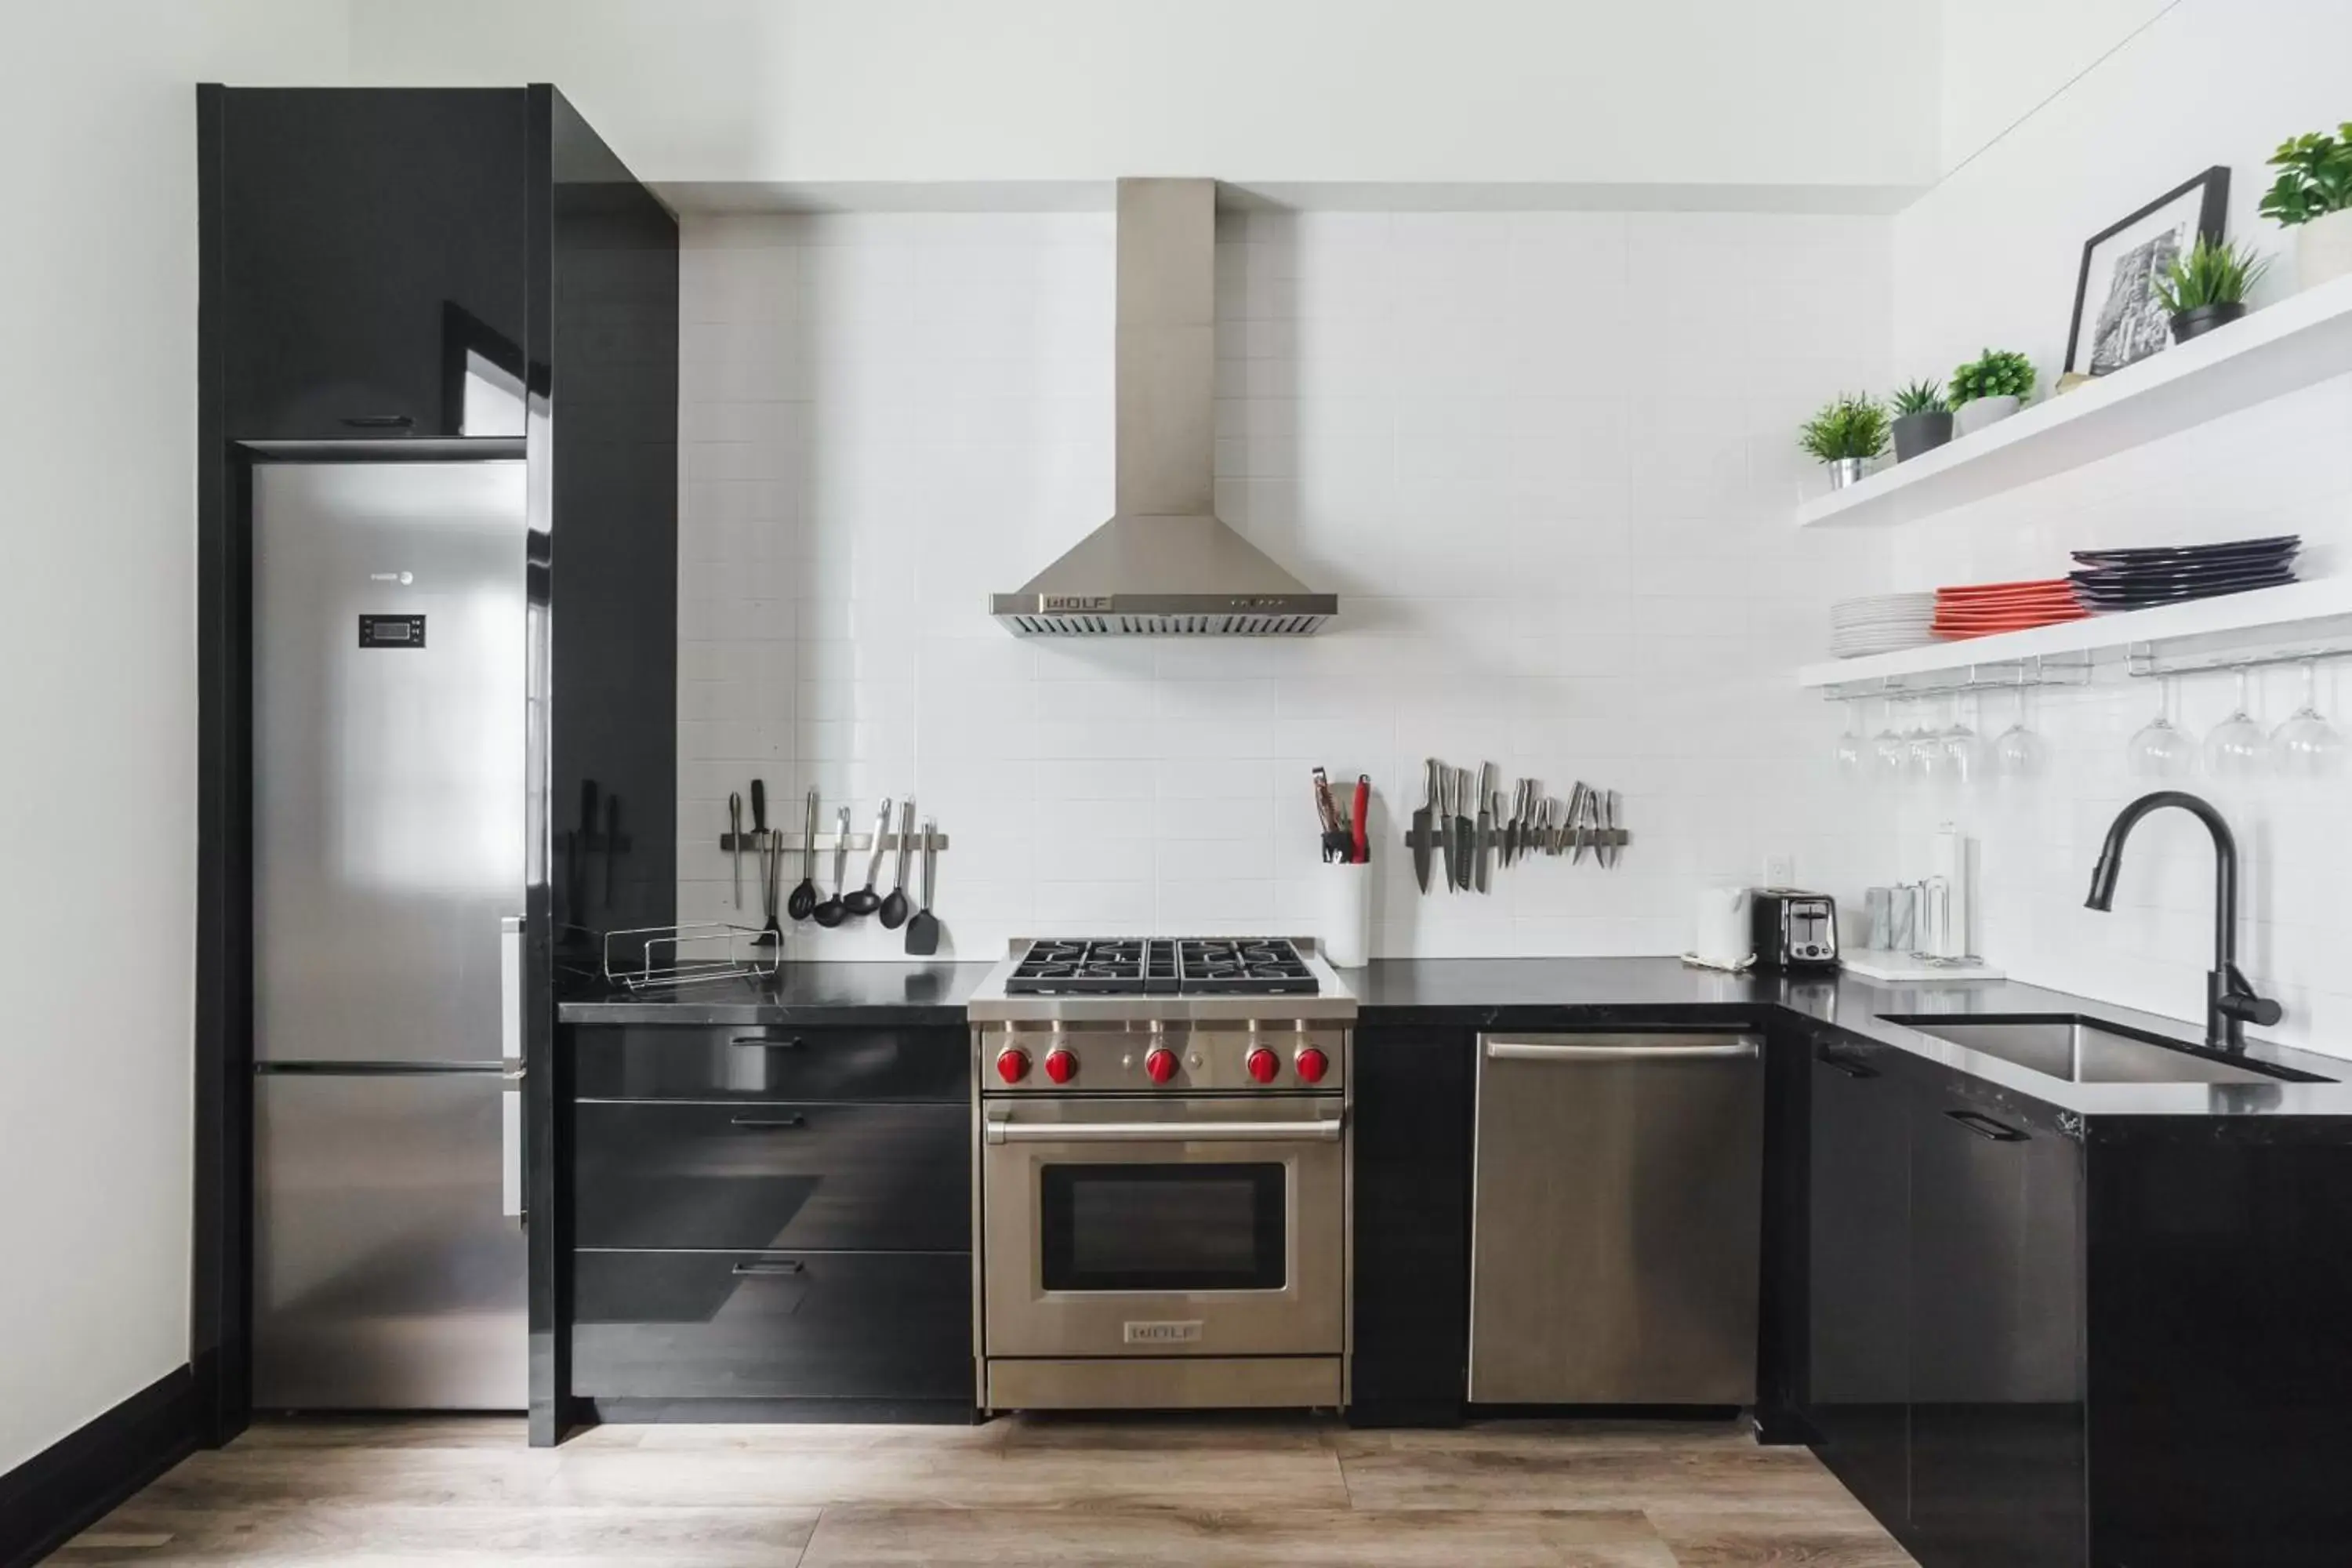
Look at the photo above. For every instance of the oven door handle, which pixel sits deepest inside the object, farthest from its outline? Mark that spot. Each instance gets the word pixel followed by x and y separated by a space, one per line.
pixel 1007 1131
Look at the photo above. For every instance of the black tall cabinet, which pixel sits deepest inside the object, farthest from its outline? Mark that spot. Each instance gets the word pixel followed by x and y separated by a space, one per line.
pixel 444 272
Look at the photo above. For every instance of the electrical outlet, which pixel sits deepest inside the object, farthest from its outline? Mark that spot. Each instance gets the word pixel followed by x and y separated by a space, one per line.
pixel 1781 871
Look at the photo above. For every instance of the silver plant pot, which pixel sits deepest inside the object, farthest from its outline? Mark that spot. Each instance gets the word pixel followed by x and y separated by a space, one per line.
pixel 1979 412
pixel 1844 472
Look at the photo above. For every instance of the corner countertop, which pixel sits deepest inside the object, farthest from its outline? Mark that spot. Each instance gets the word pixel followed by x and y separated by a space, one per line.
pixel 1511 991
pixel 879 995
pixel 1527 993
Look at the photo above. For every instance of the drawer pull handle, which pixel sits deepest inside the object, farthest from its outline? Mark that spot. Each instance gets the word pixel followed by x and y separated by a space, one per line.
pixel 1846 1065
pixel 1985 1127
pixel 771 1270
pixel 754 1042
pixel 379 421
pixel 769 1123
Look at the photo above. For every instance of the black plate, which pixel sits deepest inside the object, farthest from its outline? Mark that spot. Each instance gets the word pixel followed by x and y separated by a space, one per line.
pixel 2142 598
pixel 2190 554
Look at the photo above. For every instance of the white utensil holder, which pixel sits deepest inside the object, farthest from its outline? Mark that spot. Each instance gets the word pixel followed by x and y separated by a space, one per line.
pixel 1346 925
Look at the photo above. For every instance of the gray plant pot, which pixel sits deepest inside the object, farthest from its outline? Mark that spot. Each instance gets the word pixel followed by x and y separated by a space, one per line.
pixel 1844 472
pixel 2196 323
pixel 1917 433
pixel 1979 412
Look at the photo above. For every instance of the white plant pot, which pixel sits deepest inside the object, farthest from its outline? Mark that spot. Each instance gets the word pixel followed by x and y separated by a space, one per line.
pixel 2323 249
pixel 1979 412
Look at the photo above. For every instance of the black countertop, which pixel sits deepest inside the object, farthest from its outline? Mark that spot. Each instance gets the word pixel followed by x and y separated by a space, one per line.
pixel 1525 993
pixel 810 994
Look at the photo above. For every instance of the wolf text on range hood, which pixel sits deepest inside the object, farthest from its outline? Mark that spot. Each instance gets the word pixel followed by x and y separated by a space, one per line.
pixel 1165 564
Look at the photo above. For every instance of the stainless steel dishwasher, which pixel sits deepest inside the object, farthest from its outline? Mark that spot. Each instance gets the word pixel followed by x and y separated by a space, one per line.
pixel 1616 1219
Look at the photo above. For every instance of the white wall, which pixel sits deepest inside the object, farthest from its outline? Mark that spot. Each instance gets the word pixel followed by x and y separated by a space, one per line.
pixel 1829 92
pixel 1544 459
pixel 2001 60
pixel 1990 258
pixel 97 311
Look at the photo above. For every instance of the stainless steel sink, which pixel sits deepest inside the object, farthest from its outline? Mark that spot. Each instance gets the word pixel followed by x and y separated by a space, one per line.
pixel 2082 1050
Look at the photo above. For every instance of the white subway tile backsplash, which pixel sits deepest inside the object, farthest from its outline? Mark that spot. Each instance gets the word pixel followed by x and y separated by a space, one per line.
pixel 1531 452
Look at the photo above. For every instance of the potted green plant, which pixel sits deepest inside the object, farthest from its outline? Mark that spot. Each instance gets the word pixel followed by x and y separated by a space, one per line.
pixel 1923 420
pixel 2313 196
pixel 2206 286
pixel 1990 387
pixel 1848 432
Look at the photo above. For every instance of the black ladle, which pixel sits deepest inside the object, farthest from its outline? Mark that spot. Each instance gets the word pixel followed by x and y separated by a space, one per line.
pixel 866 900
pixel 896 908
pixel 833 911
pixel 803 898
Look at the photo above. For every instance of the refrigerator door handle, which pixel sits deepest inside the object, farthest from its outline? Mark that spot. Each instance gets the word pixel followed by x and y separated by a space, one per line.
pixel 510 1053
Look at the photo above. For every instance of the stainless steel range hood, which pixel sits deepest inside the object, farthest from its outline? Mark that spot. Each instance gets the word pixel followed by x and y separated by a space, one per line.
pixel 1165 564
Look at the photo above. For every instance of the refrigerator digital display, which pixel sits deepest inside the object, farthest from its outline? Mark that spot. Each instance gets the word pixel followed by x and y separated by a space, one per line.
pixel 391 631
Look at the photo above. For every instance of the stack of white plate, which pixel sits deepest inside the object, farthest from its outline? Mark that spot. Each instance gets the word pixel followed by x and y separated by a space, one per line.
pixel 1882 622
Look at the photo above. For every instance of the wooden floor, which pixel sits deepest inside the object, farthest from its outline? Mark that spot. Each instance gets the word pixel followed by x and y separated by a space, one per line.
pixel 1033 1490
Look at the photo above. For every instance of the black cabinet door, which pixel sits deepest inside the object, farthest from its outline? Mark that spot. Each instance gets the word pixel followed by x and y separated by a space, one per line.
pixel 886 1177
pixel 1412 1245
pixel 1857 1338
pixel 770 1061
pixel 1996 1338
pixel 766 1325
pixel 372 253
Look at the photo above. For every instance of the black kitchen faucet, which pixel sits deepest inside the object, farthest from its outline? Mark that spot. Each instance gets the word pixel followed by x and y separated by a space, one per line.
pixel 2229 1001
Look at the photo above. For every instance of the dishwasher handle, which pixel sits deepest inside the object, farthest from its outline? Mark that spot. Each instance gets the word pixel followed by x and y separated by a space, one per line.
pixel 1503 1048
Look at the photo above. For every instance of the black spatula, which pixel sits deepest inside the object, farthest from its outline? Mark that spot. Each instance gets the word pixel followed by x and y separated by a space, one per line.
pixel 923 930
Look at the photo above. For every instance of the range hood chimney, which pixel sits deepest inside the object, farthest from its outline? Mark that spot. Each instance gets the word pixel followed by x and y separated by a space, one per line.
pixel 1165 564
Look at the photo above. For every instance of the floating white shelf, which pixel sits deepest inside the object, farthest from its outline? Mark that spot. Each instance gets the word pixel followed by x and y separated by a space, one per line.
pixel 2282 348
pixel 2268 618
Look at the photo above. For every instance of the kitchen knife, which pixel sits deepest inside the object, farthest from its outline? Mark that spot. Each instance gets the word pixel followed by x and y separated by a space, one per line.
pixel 1423 822
pixel 1609 821
pixel 1445 842
pixel 735 832
pixel 1510 828
pixel 1576 803
pixel 1465 843
pixel 1484 846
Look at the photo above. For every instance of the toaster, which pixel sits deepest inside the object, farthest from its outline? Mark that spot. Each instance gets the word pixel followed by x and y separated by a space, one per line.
pixel 1793 930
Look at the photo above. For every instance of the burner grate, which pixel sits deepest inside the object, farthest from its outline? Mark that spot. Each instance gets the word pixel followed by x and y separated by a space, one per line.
pixel 1161 966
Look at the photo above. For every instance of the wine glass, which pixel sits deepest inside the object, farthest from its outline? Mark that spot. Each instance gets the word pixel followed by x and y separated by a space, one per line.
pixel 2238 748
pixel 2019 754
pixel 2307 747
pixel 2161 749
pixel 1964 750
pixel 1889 747
pixel 1923 748
pixel 1854 746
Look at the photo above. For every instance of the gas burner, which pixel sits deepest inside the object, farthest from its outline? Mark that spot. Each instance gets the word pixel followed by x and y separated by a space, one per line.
pixel 1162 966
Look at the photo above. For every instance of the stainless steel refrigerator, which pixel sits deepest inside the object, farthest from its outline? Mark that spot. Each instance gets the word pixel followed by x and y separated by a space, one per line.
pixel 393 708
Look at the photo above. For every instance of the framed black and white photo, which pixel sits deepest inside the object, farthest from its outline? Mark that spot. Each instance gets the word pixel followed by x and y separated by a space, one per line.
pixel 2118 318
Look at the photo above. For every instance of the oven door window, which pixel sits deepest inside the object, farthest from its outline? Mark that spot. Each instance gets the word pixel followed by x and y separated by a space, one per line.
pixel 1162 1228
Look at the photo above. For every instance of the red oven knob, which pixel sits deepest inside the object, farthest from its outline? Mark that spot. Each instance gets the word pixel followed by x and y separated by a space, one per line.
pixel 1312 1064
pixel 1061 1064
pixel 1263 1064
pixel 1013 1064
pixel 1160 1064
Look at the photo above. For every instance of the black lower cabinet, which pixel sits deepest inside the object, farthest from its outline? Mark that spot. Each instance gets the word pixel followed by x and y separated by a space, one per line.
pixel 1412 1237
pixel 719 1326
pixel 1857 1333
pixel 769 1176
pixel 1997 1417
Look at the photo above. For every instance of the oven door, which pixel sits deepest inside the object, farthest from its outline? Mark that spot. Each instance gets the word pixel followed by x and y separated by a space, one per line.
pixel 1208 1228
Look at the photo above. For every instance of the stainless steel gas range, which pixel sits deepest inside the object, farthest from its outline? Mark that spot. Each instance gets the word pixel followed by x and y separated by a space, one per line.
pixel 1163 1172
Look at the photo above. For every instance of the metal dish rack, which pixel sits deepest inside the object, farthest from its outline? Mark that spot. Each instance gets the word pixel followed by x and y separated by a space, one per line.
pixel 700 954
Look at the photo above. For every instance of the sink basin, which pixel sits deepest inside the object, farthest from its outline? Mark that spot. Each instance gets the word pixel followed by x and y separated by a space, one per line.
pixel 2084 1050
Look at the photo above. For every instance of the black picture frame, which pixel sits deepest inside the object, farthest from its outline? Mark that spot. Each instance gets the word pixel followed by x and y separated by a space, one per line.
pixel 2212 216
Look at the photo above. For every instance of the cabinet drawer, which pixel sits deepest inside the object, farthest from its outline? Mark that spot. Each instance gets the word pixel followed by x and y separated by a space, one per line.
pixel 886 1177
pixel 770 1062
pixel 651 1325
